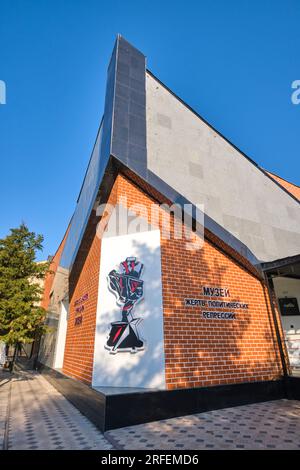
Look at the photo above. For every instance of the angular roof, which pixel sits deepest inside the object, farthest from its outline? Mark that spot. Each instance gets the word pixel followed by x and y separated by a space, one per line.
pixel 147 129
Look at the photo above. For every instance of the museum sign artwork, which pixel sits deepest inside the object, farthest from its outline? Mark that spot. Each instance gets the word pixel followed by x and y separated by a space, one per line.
pixel 208 306
pixel 128 287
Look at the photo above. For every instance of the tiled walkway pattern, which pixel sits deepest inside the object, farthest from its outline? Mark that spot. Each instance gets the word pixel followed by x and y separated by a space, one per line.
pixel 4 395
pixel 41 418
pixel 271 425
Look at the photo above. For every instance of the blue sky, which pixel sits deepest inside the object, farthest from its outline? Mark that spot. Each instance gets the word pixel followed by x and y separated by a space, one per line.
pixel 233 61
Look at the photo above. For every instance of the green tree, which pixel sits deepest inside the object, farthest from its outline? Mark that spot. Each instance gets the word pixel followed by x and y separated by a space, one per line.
pixel 21 316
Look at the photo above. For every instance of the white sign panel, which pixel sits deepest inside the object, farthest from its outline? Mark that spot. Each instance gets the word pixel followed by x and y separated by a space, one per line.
pixel 129 344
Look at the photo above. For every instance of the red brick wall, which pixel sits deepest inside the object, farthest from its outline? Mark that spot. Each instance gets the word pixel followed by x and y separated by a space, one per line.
pixel 198 352
pixel 290 187
pixel 49 278
pixel 211 352
pixel 79 349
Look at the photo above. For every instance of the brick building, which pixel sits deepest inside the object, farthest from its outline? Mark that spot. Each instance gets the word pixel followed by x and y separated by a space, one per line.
pixel 180 268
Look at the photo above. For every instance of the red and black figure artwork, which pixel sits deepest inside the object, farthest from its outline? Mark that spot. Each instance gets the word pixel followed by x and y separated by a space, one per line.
pixel 128 287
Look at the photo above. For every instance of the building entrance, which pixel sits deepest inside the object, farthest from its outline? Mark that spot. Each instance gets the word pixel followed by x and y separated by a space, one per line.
pixel 284 275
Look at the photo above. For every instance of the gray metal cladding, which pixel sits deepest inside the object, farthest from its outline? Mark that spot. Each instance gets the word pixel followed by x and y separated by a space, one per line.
pixel 85 203
pixel 123 135
pixel 129 117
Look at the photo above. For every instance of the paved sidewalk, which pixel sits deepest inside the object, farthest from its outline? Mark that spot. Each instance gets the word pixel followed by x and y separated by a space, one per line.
pixel 41 418
pixel 4 400
pixel 269 425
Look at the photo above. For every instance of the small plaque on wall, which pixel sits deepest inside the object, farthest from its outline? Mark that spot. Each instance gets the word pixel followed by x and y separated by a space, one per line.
pixel 288 306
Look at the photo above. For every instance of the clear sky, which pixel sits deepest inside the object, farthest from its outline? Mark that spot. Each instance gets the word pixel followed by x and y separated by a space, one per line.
pixel 233 61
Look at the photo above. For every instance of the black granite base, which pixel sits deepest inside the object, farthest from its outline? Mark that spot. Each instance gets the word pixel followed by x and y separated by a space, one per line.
pixel 293 388
pixel 110 409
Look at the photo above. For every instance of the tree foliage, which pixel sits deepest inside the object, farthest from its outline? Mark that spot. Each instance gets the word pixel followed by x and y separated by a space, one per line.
pixel 21 317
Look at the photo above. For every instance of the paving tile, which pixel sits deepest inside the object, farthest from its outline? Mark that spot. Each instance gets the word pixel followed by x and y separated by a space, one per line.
pixel 41 418
pixel 244 427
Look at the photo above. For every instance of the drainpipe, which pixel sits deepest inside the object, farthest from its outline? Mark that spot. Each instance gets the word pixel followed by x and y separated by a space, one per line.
pixel 277 330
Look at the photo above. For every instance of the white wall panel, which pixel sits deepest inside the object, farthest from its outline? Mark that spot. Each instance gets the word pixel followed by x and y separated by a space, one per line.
pixel 144 368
